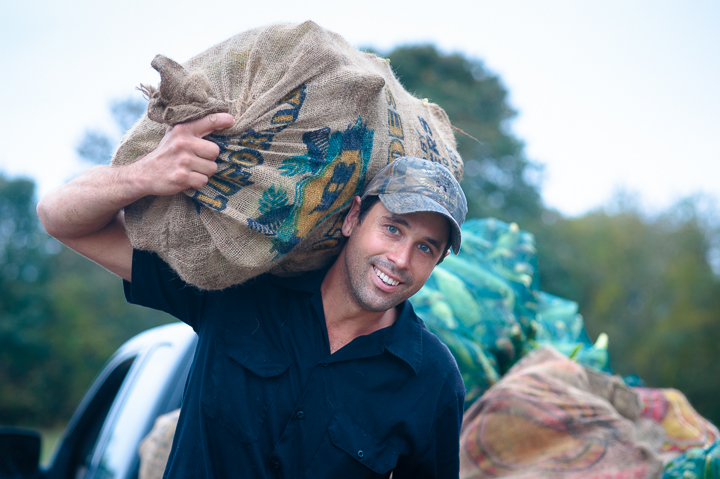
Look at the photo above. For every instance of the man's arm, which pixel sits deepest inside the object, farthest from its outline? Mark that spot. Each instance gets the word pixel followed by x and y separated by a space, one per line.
pixel 86 213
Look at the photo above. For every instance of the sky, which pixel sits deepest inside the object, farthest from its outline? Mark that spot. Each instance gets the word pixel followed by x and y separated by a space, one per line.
pixel 618 95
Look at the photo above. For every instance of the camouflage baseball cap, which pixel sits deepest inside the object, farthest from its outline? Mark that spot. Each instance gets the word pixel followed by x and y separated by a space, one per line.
pixel 412 185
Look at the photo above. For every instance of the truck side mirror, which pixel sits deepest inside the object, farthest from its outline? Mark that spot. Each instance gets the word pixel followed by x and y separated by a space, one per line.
pixel 19 453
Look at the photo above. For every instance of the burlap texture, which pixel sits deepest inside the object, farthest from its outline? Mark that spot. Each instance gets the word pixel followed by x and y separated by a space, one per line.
pixel 155 448
pixel 671 424
pixel 550 417
pixel 315 120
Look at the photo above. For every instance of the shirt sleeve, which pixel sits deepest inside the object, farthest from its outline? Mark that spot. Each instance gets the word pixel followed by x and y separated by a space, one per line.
pixel 156 285
pixel 440 458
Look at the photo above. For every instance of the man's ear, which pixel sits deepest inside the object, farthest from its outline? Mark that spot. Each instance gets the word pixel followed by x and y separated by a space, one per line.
pixel 351 219
pixel 442 257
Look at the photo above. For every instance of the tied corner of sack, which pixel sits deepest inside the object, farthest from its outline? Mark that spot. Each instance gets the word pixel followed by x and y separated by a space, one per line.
pixel 182 96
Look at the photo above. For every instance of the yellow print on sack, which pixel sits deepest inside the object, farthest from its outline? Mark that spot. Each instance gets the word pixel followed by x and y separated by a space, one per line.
pixel 395 150
pixel 332 237
pixel 395 128
pixel 335 178
pixel 285 117
pixel 395 125
pixel 244 153
pixel 389 97
pixel 240 58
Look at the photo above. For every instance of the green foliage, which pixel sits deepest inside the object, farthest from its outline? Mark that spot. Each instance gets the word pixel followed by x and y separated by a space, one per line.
pixel 61 316
pixel 646 282
pixel 496 170
pixel 23 272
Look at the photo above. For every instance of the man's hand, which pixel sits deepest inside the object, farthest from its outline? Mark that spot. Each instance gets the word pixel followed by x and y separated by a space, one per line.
pixel 182 160
pixel 86 215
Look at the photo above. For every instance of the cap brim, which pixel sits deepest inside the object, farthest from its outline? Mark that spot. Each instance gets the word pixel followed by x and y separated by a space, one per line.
pixel 404 203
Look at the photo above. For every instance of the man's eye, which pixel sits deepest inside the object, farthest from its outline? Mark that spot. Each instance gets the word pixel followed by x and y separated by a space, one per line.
pixel 425 248
pixel 392 229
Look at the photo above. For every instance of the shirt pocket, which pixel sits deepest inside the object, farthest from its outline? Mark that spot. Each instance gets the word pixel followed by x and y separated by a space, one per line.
pixel 352 452
pixel 243 380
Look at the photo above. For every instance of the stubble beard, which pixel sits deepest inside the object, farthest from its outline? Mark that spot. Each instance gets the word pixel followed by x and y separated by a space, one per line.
pixel 364 292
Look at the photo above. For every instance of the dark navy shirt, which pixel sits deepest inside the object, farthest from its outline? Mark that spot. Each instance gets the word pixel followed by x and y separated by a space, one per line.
pixel 266 399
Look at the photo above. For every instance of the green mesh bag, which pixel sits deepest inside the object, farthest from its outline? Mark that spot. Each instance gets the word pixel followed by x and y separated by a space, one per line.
pixel 486 305
pixel 697 463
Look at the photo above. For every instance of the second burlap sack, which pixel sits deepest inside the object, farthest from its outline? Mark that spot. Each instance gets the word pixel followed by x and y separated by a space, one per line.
pixel 315 120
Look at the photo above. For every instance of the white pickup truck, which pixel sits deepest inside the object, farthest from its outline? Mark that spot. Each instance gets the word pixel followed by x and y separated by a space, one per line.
pixel 142 380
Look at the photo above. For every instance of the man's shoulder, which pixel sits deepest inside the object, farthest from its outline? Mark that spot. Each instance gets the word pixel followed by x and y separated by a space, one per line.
pixel 439 361
pixel 269 285
pixel 308 281
pixel 436 351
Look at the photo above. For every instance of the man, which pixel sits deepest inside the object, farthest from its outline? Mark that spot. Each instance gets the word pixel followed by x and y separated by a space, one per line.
pixel 329 374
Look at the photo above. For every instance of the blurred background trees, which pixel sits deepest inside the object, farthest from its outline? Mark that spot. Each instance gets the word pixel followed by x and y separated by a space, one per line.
pixel 645 280
pixel 498 179
pixel 61 316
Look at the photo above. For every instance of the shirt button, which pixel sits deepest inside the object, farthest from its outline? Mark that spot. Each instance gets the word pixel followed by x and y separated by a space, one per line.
pixel 323 364
pixel 300 414
pixel 361 454
pixel 276 464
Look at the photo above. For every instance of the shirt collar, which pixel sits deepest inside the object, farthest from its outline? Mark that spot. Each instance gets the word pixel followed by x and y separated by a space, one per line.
pixel 403 339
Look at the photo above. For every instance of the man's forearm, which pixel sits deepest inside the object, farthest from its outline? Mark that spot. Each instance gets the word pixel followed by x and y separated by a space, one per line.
pixel 182 160
pixel 85 213
pixel 88 203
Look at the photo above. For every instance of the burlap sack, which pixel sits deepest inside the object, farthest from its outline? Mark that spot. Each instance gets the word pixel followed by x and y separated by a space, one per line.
pixel 315 119
pixel 550 417
pixel 154 450
pixel 671 424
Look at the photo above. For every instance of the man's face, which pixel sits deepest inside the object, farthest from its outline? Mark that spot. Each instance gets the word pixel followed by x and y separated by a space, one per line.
pixel 389 257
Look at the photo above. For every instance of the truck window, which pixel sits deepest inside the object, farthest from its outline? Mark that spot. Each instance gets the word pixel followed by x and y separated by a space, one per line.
pixel 137 412
pixel 84 436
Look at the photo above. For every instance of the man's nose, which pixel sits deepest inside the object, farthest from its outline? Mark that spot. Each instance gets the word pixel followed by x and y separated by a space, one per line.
pixel 401 254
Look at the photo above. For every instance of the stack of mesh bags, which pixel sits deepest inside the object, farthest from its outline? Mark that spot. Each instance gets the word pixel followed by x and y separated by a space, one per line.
pixel 486 306
pixel 541 400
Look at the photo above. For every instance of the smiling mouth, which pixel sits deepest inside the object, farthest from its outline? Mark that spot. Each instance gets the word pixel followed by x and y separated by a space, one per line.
pixel 385 278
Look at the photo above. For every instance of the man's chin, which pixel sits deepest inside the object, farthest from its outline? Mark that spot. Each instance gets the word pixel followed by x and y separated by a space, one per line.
pixel 382 304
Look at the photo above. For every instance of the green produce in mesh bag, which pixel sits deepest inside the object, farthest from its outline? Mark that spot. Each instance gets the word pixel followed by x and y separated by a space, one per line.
pixel 560 326
pixel 697 463
pixel 486 305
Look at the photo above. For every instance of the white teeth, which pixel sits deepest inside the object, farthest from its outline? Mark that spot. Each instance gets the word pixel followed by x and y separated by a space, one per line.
pixel 385 278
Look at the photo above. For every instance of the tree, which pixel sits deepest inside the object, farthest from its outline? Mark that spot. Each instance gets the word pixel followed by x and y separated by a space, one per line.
pixel 23 275
pixel 62 316
pixel 647 283
pixel 496 169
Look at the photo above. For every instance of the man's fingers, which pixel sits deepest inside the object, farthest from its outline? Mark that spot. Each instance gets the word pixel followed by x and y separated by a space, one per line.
pixel 205 149
pixel 205 126
pixel 205 167
pixel 197 180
